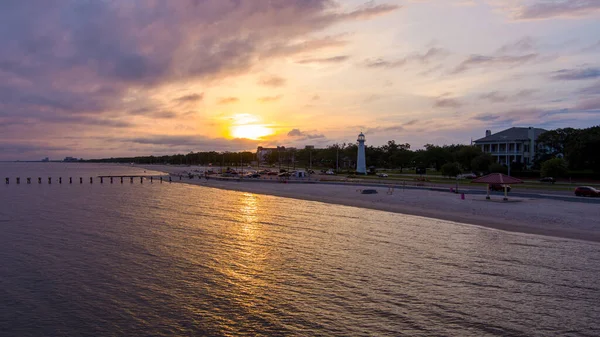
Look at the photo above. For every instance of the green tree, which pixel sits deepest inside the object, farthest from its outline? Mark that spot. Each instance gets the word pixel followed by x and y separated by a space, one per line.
pixel 556 167
pixel 451 169
pixel 482 162
pixel 498 168
pixel 466 154
pixel 436 156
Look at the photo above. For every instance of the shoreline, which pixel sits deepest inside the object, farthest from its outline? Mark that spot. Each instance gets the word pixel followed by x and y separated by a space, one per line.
pixel 562 219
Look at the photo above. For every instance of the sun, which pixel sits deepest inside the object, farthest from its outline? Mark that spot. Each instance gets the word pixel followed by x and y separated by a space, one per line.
pixel 250 131
pixel 248 126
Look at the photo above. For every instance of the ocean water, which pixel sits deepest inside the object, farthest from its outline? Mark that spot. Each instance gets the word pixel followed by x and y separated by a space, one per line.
pixel 175 259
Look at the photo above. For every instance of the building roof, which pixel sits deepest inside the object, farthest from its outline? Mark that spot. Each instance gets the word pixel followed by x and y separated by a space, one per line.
pixel 512 134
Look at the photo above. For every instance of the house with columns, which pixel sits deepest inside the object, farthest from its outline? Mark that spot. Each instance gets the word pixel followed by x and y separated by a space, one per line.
pixel 514 145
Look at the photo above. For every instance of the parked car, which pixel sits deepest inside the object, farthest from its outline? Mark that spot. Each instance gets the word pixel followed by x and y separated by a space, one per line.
pixel 587 191
pixel 330 172
pixel 284 174
pixel 272 173
pixel 252 175
pixel 467 176
pixel 548 180
pixel 499 187
pixel 382 175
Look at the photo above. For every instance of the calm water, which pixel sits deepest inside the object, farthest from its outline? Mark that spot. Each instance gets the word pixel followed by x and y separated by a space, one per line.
pixel 172 259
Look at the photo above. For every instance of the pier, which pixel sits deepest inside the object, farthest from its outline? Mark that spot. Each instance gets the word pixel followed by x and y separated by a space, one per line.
pixel 111 178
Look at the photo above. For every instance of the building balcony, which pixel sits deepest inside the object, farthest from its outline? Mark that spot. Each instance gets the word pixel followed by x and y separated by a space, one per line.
pixel 505 153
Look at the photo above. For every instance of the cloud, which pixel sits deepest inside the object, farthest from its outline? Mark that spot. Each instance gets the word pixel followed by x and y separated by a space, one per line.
pixel 431 54
pixel 307 46
pixel 28 148
pixel 304 135
pixel 494 97
pixel 443 102
pixel 384 129
pixel 594 89
pixel 295 133
pixel 269 99
pixel 381 63
pixel 557 8
pixel 524 44
pixel 97 59
pixel 38 117
pixel 227 100
pixel 576 74
pixel 334 59
pixel 272 81
pixel 194 142
pixel 517 115
pixel 392 128
pixel 592 48
pixel 482 61
pixel 372 98
pixel 151 113
pixel 525 93
pixel 497 97
pixel 315 98
pixel 486 118
pixel 369 11
pixel 589 104
pixel 190 98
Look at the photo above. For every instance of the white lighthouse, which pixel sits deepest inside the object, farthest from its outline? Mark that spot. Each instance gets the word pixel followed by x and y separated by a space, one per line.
pixel 361 163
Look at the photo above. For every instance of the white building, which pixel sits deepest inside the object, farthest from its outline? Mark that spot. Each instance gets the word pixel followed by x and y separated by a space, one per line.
pixel 514 145
pixel 361 163
pixel 263 152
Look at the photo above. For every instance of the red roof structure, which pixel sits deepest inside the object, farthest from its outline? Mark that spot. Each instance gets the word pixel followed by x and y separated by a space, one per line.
pixel 497 178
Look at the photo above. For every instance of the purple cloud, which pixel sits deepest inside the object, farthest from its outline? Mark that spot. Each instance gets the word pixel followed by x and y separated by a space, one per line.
pixel 269 99
pixel 304 135
pixel 272 81
pixel 589 104
pixel 497 97
pixel 443 102
pixel 334 59
pixel 91 62
pixel 190 98
pixel 227 100
pixel 576 74
pixel 429 55
pixel 594 89
pixel 482 61
pixel 557 8
pixel 522 45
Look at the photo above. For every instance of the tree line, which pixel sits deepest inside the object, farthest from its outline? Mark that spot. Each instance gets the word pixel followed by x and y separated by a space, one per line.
pixel 570 149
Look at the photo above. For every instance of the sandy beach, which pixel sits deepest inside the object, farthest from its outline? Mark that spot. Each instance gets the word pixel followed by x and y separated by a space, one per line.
pixel 526 215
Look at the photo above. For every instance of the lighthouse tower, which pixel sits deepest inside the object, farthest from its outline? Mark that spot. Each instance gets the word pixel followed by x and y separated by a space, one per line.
pixel 361 163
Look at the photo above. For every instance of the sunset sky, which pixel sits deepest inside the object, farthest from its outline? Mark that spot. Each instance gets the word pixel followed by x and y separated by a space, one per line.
pixel 110 78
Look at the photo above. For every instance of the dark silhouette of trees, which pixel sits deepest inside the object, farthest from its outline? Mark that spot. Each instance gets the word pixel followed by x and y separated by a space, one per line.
pixel 579 147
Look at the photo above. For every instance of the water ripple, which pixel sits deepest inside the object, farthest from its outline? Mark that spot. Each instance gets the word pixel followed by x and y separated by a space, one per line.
pixel 171 259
